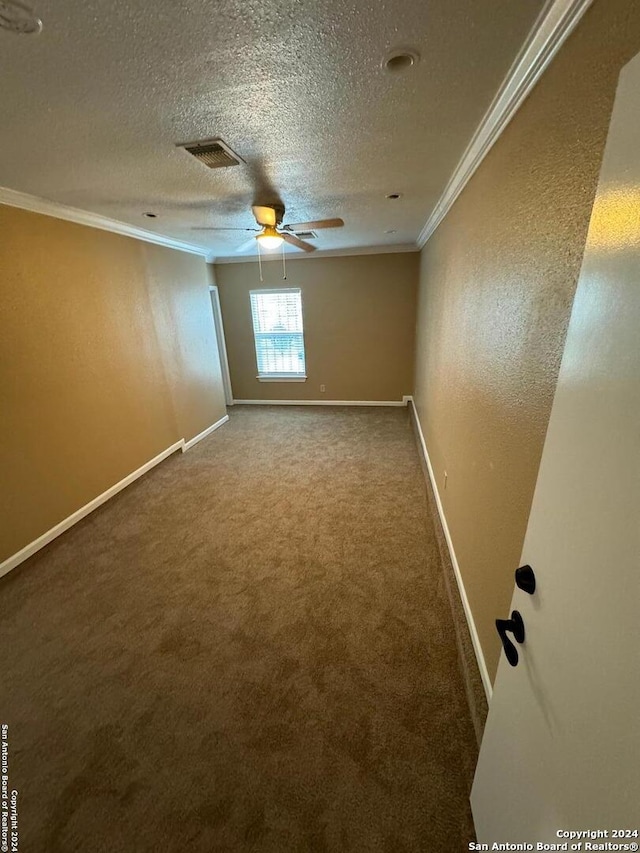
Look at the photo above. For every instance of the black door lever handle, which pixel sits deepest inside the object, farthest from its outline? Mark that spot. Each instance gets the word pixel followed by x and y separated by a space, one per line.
pixel 515 625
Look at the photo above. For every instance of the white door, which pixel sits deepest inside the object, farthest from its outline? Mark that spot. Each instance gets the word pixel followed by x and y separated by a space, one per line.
pixel 561 749
pixel 222 344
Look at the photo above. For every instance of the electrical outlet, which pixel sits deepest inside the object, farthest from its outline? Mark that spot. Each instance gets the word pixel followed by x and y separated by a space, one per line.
pixel 445 480
pixel 322 388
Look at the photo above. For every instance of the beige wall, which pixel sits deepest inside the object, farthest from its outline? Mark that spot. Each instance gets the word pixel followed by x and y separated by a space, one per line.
pixel 496 286
pixel 359 319
pixel 107 357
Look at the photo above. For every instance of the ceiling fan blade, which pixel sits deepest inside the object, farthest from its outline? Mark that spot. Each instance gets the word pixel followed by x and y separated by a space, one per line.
pixel 206 228
pixel 317 223
pixel 295 241
pixel 264 215
pixel 248 244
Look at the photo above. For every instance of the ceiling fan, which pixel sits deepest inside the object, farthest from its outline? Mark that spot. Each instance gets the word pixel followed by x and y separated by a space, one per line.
pixel 271 231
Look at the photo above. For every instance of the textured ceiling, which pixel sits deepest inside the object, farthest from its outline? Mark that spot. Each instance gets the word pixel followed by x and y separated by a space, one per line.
pixel 92 108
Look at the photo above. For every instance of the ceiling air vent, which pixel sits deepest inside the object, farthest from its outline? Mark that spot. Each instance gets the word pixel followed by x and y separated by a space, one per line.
pixel 17 17
pixel 306 235
pixel 213 153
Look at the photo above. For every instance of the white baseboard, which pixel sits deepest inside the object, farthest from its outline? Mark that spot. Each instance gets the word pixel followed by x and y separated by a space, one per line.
pixel 30 549
pixel 482 666
pixel 402 402
pixel 187 445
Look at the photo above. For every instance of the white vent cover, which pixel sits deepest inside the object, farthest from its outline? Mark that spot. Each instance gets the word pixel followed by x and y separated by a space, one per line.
pixel 213 153
pixel 306 235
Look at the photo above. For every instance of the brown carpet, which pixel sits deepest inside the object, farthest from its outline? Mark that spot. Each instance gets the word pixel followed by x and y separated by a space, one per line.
pixel 249 649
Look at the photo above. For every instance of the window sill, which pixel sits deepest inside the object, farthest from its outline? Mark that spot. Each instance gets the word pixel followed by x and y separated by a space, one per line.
pixel 276 378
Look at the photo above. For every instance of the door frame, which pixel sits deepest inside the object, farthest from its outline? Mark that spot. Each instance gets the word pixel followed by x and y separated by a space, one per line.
pixel 222 344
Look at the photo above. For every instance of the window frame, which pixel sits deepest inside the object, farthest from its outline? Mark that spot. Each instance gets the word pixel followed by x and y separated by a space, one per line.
pixel 276 376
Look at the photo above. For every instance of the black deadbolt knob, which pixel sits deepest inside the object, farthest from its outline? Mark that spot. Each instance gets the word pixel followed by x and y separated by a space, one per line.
pixel 525 579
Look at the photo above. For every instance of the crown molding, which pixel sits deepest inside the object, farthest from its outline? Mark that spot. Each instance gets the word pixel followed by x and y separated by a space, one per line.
pixel 321 253
pixel 13 198
pixel 555 23
pixel 34 204
pixel 553 26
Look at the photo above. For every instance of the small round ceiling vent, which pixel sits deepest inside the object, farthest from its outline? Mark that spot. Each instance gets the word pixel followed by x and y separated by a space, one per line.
pixel 400 59
pixel 18 18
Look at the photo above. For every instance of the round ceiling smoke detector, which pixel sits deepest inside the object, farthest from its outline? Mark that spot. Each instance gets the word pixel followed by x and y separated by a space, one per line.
pixel 400 59
pixel 18 18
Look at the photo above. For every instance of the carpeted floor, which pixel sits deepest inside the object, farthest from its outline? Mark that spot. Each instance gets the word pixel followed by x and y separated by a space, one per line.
pixel 249 649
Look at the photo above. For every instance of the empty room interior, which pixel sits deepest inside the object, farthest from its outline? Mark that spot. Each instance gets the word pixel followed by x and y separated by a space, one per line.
pixel 319 404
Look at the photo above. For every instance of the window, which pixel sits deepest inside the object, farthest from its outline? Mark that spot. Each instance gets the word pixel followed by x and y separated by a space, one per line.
pixel 278 334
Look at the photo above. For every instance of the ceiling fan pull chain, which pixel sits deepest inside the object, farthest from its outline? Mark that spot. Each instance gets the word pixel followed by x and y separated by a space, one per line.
pixel 284 265
pixel 259 260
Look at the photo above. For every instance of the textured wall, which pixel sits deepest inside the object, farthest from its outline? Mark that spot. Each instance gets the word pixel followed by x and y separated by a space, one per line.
pixel 107 357
pixel 359 319
pixel 496 286
pixel 179 290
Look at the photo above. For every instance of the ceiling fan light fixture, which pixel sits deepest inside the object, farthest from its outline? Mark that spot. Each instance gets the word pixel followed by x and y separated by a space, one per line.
pixel 269 238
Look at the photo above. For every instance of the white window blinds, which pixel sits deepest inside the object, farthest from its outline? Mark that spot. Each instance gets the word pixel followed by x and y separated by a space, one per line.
pixel 278 332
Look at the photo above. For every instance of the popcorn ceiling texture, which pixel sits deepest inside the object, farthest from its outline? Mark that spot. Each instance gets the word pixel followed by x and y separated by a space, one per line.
pixel 250 648
pixel 92 108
